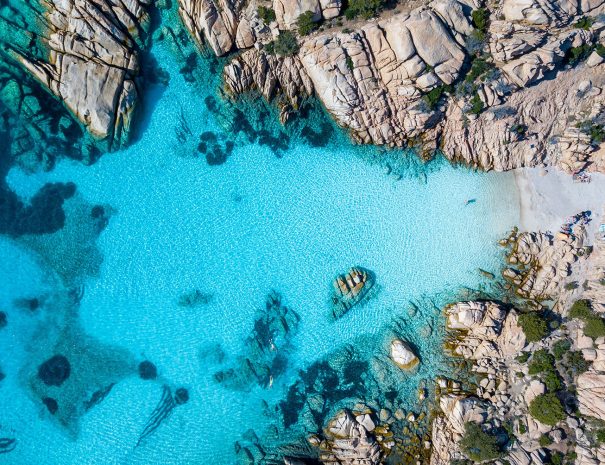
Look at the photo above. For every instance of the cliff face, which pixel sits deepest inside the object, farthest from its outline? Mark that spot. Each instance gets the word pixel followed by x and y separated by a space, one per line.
pixel 502 94
pixel 92 61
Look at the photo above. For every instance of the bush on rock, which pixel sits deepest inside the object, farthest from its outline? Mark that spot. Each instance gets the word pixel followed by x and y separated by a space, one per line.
pixel 547 409
pixel 478 445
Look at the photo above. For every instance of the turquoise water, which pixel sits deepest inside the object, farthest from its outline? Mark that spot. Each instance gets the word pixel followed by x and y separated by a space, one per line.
pixel 287 220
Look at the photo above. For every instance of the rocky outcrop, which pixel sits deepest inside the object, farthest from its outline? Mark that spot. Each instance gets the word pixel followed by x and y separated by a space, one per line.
pixel 214 21
pixel 490 332
pixel 93 62
pixel 350 289
pixel 403 355
pixel 541 263
pixel 350 441
pixel 448 428
pixel 375 81
pixel 591 392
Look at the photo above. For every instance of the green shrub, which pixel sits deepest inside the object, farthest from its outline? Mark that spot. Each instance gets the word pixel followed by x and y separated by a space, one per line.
pixel 365 8
pixel 580 309
pixel 575 361
pixel 600 435
pixel 433 96
pixel 547 409
pixel 350 64
pixel 576 54
pixel 306 24
pixel 585 22
pixel 266 14
pixel 522 428
pixel 478 445
pixel 545 441
pixel 534 326
pixel 594 325
pixel 552 381
pixel 480 19
pixel 600 49
pixel 476 104
pixel 523 357
pixel 556 458
pixel 560 348
pixel 541 362
pixel 285 44
pixel 571 286
pixel 479 66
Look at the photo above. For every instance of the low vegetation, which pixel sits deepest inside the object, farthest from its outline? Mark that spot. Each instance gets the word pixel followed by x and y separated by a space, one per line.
pixel 594 325
pixel 365 9
pixel 547 409
pixel 433 97
pixel 478 445
pixel 585 22
pixel 534 326
pixel 306 23
pixel 285 44
pixel 266 14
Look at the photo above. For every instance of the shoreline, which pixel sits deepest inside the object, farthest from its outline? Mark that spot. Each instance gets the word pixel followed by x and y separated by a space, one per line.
pixel 547 197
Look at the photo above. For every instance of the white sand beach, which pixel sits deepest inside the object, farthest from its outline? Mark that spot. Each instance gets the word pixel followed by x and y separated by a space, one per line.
pixel 548 197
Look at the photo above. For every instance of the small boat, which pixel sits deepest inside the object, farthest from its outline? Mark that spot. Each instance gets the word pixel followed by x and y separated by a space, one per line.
pixel 350 289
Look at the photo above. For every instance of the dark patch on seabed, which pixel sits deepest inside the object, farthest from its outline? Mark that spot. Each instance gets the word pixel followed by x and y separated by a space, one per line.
pixel 266 349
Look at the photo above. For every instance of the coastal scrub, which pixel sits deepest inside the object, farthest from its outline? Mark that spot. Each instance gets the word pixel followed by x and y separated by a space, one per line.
pixel 478 445
pixel 547 409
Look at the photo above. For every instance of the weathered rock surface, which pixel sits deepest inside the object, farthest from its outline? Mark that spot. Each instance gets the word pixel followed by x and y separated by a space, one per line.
pixel 214 21
pixel 349 441
pixel 403 355
pixel 374 81
pixel 591 392
pixel 541 262
pixel 93 62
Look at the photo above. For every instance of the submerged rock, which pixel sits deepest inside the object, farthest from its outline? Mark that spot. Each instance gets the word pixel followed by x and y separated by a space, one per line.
pixel 266 349
pixel 403 355
pixel 3 320
pixel 147 370
pixel 51 404
pixel 350 289
pixel 7 445
pixel 194 298
pixel 54 371
pixel 181 396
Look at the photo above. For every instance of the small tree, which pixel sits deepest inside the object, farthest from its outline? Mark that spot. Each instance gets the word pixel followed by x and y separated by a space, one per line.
pixel 478 445
pixel 534 326
pixel 306 23
pixel 266 14
pixel 547 409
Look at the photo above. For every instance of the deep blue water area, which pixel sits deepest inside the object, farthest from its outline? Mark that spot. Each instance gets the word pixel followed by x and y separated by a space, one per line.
pixel 170 302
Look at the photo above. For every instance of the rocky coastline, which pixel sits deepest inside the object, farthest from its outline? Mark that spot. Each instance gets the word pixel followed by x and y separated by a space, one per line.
pixel 516 84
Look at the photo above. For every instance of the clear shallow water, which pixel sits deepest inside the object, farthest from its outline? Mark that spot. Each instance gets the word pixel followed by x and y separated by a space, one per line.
pixel 236 231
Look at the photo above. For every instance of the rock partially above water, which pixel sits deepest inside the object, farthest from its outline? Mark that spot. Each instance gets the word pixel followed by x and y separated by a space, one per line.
pixel 350 289
pixel 54 371
pixel 93 62
pixel 403 355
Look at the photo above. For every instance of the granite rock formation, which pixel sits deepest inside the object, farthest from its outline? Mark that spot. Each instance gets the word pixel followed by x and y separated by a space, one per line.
pixel 512 91
pixel 93 62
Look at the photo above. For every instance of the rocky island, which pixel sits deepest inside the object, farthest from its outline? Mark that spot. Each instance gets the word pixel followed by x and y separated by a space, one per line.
pixel 518 376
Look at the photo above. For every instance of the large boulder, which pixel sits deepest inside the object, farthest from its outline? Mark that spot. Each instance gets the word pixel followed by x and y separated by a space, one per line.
pixel 591 394
pixel 403 355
